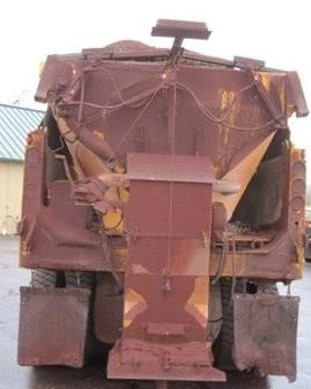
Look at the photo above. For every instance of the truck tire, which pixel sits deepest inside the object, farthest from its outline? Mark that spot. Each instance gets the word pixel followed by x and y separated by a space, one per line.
pixel 43 279
pixel 215 313
pixel 224 343
pixel 96 352
pixel 80 279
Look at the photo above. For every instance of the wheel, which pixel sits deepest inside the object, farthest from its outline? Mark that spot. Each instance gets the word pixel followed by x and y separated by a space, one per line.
pixel 80 279
pixel 224 343
pixel 161 384
pixel 215 314
pixel 308 253
pixel 96 352
pixel 46 279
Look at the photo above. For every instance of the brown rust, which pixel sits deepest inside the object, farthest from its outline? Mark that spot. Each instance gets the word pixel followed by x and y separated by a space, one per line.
pixel 265 328
pixel 162 187
pixel 53 326
pixel 151 361
pixel 176 172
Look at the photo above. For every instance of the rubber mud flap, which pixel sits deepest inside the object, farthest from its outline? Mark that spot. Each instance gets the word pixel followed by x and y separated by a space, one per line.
pixel 265 332
pixel 53 326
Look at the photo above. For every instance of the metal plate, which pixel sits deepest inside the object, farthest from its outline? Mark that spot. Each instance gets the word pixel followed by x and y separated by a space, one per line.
pixel 265 329
pixel 53 326
pixel 141 360
pixel 180 29
pixel 59 238
pixel 176 210
pixel 171 168
pixel 169 213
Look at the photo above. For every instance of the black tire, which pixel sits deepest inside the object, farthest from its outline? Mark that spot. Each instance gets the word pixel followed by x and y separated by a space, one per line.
pixel 43 279
pixel 215 313
pixel 224 344
pixel 308 254
pixel 96 352
pixel 80 280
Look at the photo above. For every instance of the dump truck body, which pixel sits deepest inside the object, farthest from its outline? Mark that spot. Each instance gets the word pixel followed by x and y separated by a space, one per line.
pixel 164 200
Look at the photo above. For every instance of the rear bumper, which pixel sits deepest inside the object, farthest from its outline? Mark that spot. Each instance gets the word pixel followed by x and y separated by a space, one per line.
pixel 133 359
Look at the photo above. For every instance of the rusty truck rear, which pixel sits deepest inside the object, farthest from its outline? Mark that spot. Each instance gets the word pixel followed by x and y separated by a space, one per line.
pixel 163 201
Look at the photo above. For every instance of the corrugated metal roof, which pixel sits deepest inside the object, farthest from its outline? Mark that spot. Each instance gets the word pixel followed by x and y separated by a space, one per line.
pixel 15 123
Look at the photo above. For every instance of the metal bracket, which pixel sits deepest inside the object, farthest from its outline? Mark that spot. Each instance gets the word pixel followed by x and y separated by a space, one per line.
pixel 179 30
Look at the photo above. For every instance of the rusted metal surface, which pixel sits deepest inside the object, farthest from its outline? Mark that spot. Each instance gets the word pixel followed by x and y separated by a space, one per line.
pixel 265 331
pixel 295 96
pixel 166 216
pixel 53 326
pixel 164 167
pixel 248 63
pixel 33 187
pixel 158 226
pixel 108 308
pixel 147 82
pixel 180 29
pixel 152 361
pixel 51 247
pixel 242 172
pixel 180 168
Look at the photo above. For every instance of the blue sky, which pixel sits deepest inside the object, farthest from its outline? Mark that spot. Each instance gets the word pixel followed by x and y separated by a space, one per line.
pixel 275 31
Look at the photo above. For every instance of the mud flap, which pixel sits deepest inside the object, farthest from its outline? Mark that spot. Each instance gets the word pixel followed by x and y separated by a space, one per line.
pixel 265 331
pixel 53 326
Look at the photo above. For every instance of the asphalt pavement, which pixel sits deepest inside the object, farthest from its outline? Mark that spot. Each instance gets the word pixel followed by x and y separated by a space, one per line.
pixel 13 376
